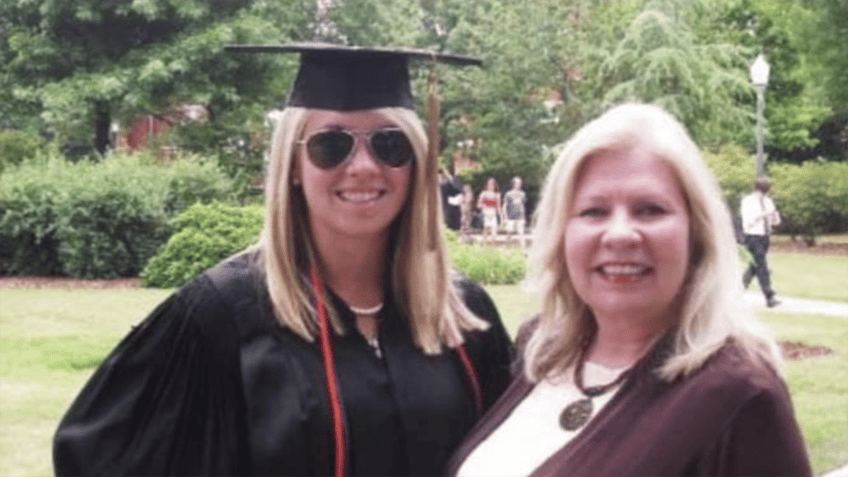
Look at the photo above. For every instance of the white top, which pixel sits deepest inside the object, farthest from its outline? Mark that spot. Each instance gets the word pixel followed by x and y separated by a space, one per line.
pixel 758 213
pixel 531 433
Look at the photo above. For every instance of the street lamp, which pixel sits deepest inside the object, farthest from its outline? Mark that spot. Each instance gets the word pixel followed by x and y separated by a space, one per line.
pixel 759 78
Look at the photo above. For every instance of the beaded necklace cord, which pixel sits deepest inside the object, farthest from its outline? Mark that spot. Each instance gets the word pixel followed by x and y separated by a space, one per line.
pixel 577 414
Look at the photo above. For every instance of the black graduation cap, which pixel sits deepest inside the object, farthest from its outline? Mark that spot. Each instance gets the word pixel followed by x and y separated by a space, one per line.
pixel 348 78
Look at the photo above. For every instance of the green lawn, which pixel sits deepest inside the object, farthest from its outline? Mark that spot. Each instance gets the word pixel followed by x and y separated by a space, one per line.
pixel 50 341
pixel 807 275
pixel 819 386
pixel 823 277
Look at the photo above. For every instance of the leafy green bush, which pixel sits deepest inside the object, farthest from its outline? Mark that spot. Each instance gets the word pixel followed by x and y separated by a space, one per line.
pixel 110 231
pixel 205 234
pixel 29 244
pixel 16 146
pixel 490 266
pixel 193 180
pixel 812 197
pixel 96 219
pixel 735 171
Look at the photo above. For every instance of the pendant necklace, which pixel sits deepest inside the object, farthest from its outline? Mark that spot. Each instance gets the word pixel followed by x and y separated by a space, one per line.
pixel 374 343
pixel 576 414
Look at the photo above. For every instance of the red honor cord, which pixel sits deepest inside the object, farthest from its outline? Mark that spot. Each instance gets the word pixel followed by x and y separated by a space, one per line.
pixel 333 394
pixel 472 378
pixel 330 372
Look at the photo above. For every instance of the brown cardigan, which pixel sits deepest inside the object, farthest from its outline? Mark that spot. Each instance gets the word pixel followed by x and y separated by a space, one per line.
pixel 732 417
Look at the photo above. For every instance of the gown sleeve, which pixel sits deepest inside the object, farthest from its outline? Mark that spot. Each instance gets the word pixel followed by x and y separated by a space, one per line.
pixel 490 350
pixel 166 401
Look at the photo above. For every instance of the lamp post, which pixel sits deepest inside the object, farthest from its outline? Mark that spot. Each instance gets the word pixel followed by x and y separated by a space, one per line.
pixel 759 78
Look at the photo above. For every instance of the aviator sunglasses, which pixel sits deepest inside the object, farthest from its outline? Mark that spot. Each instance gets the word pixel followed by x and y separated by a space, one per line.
pixel 331 147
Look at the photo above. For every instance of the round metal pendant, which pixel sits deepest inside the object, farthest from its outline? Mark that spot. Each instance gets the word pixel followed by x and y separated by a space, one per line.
pixel 576 414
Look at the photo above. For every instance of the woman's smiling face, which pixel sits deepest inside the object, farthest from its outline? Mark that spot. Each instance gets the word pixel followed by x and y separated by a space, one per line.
pixel 627 237
pixel 360 197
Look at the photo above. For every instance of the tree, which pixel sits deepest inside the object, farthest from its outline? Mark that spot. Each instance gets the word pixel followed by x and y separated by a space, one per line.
pixel 818 31
pixel 82 63
pixel 806 97
pixel 530 55
pixel 661 60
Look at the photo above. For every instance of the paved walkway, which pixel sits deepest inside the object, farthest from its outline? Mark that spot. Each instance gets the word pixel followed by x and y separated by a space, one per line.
pixel 799 305
pixel 841 472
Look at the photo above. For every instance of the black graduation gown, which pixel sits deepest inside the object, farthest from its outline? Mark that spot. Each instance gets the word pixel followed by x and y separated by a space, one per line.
pixel 451 188
pixel 209 384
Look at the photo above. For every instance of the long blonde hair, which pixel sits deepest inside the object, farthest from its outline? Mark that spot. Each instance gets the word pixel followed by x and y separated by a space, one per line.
pixel 710 311
pixel 421 279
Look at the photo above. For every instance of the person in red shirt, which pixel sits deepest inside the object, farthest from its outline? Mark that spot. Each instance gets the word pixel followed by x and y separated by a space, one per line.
pixel 489 203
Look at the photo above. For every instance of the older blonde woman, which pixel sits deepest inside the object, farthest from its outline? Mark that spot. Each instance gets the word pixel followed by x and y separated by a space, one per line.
pixel 641 361
pixel 340 344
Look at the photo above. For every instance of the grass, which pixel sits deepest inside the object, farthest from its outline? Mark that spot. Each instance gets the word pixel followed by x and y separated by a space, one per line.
pixel 514 304
pixel 808 275
pixel 51 340
pixel 822 277
pixel 819 386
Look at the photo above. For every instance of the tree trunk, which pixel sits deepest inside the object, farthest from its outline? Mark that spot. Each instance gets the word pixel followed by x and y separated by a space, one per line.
pixel 102 125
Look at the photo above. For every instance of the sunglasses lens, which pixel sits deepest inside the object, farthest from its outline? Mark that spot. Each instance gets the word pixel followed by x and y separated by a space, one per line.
pixel 392 147
pixel 328 149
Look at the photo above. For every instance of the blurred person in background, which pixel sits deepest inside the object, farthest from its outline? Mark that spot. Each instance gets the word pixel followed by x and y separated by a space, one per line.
pixel 759 216
pixel 466 207
pixel 489 203
pixel 514 210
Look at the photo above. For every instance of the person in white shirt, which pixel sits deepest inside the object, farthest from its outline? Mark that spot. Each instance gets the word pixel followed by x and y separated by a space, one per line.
pixel 514 202
pixel 759 215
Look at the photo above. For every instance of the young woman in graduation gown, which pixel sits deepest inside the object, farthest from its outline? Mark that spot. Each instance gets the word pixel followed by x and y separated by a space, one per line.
pixel 642 361
pixel 340 345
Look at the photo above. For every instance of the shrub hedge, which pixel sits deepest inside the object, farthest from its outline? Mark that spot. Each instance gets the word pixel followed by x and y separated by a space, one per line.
pixel 95 219
pixel 734 170
pixel 204 235
pixel 812 197
pixel 490 266
pixel 16 147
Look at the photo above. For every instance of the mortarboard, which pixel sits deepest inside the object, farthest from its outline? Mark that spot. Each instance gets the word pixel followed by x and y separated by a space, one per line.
pixel 348 78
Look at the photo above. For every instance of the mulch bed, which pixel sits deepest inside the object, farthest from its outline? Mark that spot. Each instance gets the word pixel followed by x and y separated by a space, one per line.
pixel 819 249
pixel 795 350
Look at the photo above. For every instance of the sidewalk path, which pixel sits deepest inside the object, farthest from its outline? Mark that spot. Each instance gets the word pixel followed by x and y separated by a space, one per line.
pixel 799 305
pixel 841 472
